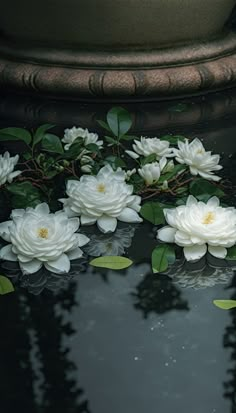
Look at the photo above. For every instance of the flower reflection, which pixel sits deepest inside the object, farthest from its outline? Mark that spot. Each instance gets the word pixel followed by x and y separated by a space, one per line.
pixel 112 244
pixel 43 279
pixel 203 274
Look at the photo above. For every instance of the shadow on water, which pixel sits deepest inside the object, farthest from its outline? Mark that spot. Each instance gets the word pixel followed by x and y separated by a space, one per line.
pixel 36 372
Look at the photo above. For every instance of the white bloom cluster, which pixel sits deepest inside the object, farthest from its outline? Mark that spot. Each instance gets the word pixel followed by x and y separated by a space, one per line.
pixel 151 172
pixel 72 134
pixel 38 237
pixel 104 199
pixel 200 161
pixel 199 227
pixel 7 165
pixel 149 146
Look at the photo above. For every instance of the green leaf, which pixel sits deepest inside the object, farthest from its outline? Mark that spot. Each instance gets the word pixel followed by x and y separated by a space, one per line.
pixel 169 175
pixel 130 137
pixel 148 159
pixel 173 139
pixel 24 194
pixel 5 285
pixel 109 139
pixel 104 125
pixel 112 262
pixel 153 212
pixel 119 121
pixel 231 253
pixel 75 149
pixel 52 143
pixel 225 304
pixel 162 256
pixel 15 134
pixel 40 132
pixel 180 107
pixel 204 190
pixel 92 147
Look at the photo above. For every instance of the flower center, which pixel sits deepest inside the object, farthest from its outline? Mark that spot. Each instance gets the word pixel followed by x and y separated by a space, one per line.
pixel 101 188
pixel 200 151
pixel 43 232
pixel 208 218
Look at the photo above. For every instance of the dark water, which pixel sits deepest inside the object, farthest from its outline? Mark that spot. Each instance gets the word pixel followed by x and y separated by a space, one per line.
pixel 128 341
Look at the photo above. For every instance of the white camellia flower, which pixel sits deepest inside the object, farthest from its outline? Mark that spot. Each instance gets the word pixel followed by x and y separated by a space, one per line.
pixel 72 134
pixel 196 226
pixel 39 238
pixel 149 146
pixel 200 161
pixel 104 199
pixel 151 172
pixel 7 165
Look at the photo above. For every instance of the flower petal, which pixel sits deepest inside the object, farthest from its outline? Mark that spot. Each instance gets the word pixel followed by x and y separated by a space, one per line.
pixel 86 220
pixel 166 234
pixel 83 239
pixel 5 230
pixel 106 224
pixel 60 266
pixel 218 252
pixel 7 254
pixel 42 209
pixel 213 202
pixel 31 266
pixel 129 215
pixel 132 154
pixel 75 254
pixel 195 252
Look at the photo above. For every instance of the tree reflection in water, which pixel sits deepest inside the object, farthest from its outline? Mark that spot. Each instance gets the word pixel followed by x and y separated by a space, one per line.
pixel 157 293
pixel 230 342
pixel 36 373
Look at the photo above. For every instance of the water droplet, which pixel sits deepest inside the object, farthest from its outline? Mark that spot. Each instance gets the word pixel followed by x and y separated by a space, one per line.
pixel 166 364
pixel 136 358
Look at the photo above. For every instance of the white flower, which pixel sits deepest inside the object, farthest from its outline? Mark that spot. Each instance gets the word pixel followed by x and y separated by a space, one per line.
pixel 72 134
pixel 39 238
pixel 7 164
pixel 129 173
pixel 110 244
pixel 104 199
pixel 197 225
pixel 149 146
pixel 200 162
pixel 151 172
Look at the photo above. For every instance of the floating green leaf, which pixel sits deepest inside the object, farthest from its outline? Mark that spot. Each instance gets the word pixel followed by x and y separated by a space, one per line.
pixel 5 285
pixel 225 304
pixel 119 121
pixel 204 190
pixel 231 253
pixel 40 132
pixel 162 256
pixel 15 134
pixel 153 212
pixel 111 262
pixel 52 143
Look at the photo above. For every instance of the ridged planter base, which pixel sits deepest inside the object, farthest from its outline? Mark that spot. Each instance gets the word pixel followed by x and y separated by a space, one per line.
pixel 129 75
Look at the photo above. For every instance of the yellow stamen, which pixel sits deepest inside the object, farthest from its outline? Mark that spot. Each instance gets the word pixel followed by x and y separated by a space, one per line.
pixel 200 151
pixel 43 232
pixel 101 188
pixel 208 218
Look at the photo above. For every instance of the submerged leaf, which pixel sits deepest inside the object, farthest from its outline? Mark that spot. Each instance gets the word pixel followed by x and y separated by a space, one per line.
pixel 5 285
pixel 225 304
pixel 162 256
pixel 111 262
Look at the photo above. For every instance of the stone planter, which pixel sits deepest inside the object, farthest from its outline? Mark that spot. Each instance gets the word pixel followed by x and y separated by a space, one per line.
pixel 125 49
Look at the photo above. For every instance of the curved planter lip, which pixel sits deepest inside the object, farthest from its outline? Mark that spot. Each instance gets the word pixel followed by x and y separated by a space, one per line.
pixel 120 23
pixel 180 55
